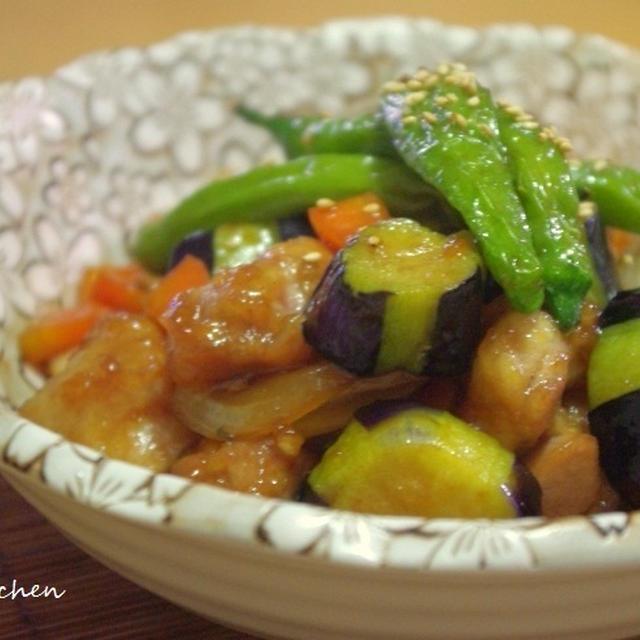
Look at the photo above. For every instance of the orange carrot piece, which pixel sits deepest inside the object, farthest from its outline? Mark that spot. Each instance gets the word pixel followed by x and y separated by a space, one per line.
pixel 58 332
pixel 335 223
pixel 118 287
pixel 188 273
pixel 620 241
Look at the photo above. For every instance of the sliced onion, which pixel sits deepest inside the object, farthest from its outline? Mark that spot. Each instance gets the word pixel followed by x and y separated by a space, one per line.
pixel 292 398
pixel 336 413
pixel 264 404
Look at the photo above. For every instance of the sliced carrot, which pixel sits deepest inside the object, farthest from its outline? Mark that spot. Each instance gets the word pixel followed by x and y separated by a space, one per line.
pixel 118 287
pixel 188 273
pixel 335 223
pixel 58 332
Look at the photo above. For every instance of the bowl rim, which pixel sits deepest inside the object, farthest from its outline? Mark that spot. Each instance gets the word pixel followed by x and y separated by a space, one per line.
pixel 534 543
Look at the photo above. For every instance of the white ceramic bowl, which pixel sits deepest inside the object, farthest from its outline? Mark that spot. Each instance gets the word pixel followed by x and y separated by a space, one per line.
pixel 88 153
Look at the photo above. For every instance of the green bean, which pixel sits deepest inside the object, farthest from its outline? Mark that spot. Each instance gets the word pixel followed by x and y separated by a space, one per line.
pixel 271 192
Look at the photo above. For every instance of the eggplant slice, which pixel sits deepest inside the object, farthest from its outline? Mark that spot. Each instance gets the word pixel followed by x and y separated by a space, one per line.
pixel 399 296
pixel 614 394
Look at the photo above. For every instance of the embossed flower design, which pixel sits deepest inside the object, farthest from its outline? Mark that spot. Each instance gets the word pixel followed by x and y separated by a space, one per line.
pixel 109 485
pixel 176 113
pixel 286 73
pixel 28 121
pixel 49 276
pixel 472 544
pixel 106 81
pixel 13 294
pixel 133 196
pixel 606 112
pixel 353 538
pixel 69 193
pixel 342 536
pixel 530 76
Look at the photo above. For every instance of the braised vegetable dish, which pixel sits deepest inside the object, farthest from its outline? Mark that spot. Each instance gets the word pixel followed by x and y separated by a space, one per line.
pixel 417 312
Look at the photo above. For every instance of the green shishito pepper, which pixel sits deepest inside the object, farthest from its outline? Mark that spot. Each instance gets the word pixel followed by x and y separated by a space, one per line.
pixel 304 135
pixel 271 192
pixel 445 127
pixel 550 199
pixel 614 189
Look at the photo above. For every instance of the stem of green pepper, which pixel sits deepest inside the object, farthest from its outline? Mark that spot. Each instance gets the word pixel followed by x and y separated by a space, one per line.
pixel 302 135
pixel 271 192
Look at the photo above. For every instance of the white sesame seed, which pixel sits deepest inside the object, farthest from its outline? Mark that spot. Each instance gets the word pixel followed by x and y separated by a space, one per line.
pixel 458 118
pixel 415 97
pixel 312 256
pixel 514 110
pixel 325 203
pixel 409 120
pixel 373 241
pixel 473 101
pixel 564 144
pixel 372 207
pixel 431 81
pixel 430 117
pixel 586 210
pixel 485 130
pixel 393 86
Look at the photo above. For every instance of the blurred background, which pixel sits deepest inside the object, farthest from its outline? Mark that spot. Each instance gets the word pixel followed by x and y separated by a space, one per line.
pixel 36 36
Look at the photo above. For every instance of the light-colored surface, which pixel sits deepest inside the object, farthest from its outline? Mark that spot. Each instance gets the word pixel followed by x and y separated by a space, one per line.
pixel 36 36
pixel 88 152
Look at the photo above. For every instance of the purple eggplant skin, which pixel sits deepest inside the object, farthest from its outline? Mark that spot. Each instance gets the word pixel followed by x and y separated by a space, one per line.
pixel 198 244
pixel 491 288
pixel 625 305
pixel 455 342
pixel 601 257
pixel 616 426
pixel 526 497
pixel 380 410
pixel 343 326
pixel 305 493
pixel 294 226
pixel 346 327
